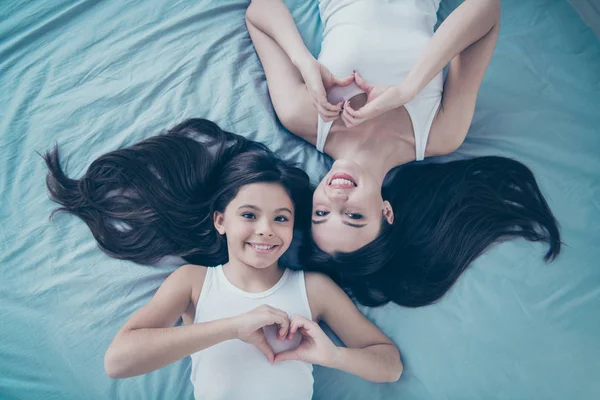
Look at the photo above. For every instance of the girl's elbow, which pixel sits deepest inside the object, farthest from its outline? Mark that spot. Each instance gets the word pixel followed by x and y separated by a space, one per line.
pixel 395 370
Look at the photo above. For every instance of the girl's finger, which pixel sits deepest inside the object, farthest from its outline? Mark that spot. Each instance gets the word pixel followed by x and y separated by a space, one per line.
pixel 266 349
pixel 286 355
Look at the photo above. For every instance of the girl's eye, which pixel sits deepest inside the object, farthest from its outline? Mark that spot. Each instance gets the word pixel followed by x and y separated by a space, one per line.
pixel 354 216
pixel 248 216
pixel 281 218
pixel 321 213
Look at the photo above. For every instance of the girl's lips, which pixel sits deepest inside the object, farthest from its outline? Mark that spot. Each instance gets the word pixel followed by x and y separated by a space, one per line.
pixel 263 248
pixel 342 185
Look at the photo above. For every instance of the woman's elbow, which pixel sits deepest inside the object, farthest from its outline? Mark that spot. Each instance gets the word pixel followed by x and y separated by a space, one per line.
pixel 446 144
pixel 112 366
pixel 396 372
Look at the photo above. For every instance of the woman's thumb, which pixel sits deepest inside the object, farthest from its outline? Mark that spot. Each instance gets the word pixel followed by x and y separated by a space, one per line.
pixel 364 85
pixel 345 81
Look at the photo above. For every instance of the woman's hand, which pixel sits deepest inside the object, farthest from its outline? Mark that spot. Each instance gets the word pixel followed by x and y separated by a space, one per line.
pixel 318 80
pixel 249 327
pixel 315 347
pixel 380 99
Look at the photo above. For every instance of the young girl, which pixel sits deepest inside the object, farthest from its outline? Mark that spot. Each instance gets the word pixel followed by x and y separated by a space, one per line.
pixel 250 326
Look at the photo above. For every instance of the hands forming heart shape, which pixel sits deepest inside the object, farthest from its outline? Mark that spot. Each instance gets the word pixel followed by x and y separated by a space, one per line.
pixel 283 338
pixel 380 98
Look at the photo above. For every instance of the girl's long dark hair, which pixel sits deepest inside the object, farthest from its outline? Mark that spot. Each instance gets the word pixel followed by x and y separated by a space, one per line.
pixel 157 197
pixel 446 215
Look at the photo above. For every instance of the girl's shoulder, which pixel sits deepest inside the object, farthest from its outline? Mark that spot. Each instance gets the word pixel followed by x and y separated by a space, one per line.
pixel 194 274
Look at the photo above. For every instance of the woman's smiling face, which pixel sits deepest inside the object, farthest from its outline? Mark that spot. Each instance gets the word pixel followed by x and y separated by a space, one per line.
pixel 347 209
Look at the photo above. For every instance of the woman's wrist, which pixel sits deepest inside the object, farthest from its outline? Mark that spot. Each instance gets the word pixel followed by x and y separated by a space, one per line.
pixel 303 60
pixel 405 92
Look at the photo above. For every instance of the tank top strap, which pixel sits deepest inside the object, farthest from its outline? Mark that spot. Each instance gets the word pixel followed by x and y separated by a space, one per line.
pixel 322 132
pixel 207 286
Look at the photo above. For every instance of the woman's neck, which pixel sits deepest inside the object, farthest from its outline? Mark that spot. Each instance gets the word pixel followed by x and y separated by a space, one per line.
pixel 250 279
pixel 376 145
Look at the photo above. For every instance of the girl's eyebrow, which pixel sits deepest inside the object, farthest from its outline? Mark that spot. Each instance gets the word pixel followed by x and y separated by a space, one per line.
pixel 258 208
pixel 249 206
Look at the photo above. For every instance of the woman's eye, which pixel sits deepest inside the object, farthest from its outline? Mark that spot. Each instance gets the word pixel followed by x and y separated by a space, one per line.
pixel 248 216
pixel 281 218
pixel 354 215
pixel 321 213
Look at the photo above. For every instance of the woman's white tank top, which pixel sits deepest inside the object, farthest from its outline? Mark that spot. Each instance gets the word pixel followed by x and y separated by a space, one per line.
pixel 381 40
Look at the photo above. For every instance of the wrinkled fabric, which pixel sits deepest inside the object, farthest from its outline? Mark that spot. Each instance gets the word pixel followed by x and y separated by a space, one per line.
pixel 96 76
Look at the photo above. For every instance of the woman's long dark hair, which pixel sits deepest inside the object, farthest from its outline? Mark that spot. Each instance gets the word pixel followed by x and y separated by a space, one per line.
pixel 446 215
pixel 157 197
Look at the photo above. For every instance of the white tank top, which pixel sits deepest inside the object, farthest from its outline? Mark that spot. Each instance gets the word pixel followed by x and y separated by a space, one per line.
pixel 236 370
pixel 381 40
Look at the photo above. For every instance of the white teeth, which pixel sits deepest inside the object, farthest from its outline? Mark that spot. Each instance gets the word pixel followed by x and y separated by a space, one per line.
pixel 261 247
pixel 340 181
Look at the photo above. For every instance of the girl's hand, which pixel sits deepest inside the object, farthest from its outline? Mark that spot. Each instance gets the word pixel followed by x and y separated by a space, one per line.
pixel 315 347
pixel 249 327
pixel 380 99
pixel 318 80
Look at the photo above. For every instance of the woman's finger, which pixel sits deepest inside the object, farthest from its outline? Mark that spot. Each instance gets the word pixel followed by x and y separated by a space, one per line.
pixel 344 81
pixel 327 105
pixel 345 120
pixel 348 120
pixel 353 121
pixel 364 85
pixel 362 113
pixel 325 114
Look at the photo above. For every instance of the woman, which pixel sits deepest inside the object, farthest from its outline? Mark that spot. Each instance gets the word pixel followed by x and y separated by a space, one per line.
pixel 375 100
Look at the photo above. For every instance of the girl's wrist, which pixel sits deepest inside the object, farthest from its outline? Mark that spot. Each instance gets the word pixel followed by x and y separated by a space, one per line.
pixel 231 328
pixel 337 358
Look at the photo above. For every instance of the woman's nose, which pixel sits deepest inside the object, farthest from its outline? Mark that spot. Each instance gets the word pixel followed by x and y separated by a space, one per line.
pixel 338 196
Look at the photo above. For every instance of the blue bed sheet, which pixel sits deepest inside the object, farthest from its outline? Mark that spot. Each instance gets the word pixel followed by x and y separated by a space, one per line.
pixel 95 76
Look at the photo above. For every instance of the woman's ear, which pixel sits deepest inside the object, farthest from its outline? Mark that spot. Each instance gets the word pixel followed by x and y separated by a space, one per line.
pixel 388 212
pixel 218 222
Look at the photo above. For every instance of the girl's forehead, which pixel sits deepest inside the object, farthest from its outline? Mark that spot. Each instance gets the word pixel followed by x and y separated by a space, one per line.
pixel 265 193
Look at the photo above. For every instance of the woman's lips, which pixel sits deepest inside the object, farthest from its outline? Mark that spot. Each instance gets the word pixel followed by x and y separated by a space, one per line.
pixel 341 180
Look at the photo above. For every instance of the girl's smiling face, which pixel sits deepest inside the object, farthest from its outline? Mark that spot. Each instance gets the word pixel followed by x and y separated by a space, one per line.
pixel 258 224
